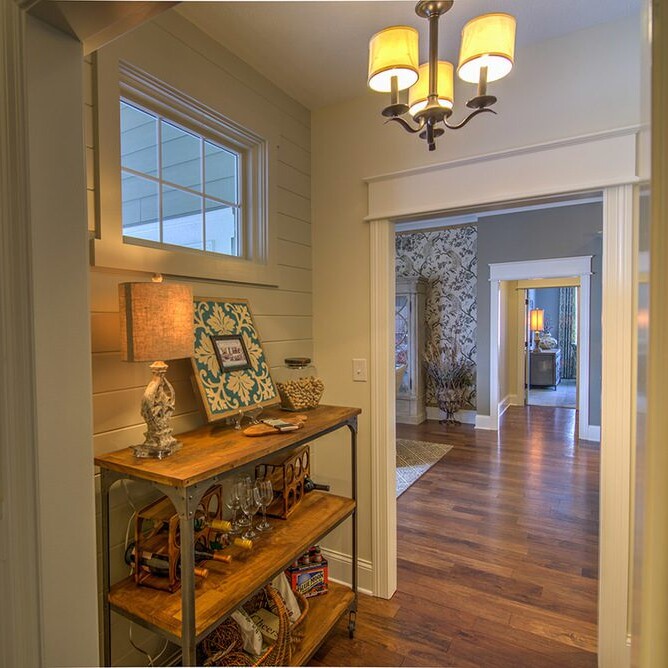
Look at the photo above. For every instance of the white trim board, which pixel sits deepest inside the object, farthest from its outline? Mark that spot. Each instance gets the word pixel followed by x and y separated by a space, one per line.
pixel 569 166
pixel 22 638
pixel 531 269
pixel 424 224
pixel 609 159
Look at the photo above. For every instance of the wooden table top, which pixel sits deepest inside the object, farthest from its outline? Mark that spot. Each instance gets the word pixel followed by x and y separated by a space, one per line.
pixel 214 449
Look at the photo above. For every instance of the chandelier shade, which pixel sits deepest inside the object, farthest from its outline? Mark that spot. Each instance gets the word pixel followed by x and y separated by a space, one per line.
pixel 418 94
pixel 393 52
pixel 487 41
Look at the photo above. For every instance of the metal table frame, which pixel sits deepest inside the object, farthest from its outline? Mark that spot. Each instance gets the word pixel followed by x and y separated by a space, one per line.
pixel 186 500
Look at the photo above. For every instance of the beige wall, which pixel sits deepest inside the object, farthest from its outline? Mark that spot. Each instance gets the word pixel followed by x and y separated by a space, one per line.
pixel 508 343
pixel 195 64
pixel 549 96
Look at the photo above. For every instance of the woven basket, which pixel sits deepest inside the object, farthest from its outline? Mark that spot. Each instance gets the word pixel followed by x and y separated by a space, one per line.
pixel 221 648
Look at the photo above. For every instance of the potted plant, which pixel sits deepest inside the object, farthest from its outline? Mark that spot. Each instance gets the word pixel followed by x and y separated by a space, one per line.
pixel 452 379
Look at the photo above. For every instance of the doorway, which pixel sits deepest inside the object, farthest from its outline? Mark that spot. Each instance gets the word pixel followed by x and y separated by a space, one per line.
pixel 548 322
pixel 617 308
pixel 551 351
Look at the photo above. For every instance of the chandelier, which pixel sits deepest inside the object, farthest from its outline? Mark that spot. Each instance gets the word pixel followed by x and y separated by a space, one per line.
pixel 486 54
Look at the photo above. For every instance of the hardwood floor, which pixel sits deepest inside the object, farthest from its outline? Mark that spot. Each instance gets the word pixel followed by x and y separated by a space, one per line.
pixel 497 554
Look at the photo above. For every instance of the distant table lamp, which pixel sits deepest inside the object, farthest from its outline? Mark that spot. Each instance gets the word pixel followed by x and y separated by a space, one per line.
pixel 536 324
pixel 156 325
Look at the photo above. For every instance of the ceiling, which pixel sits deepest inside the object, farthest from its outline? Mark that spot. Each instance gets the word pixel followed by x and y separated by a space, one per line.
pixel 317 51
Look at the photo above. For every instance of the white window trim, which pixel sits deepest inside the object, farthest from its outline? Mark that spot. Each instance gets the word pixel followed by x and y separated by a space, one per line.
pixel 257 262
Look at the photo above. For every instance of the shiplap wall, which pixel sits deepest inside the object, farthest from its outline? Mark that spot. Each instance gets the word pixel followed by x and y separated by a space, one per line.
pixel 283 315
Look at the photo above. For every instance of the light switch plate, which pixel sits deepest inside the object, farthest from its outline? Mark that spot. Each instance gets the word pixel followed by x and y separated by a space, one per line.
pixel 359 371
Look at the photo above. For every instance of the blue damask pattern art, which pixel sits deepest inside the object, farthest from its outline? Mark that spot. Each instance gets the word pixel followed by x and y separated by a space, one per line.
pixel 447 258
pixel 226 393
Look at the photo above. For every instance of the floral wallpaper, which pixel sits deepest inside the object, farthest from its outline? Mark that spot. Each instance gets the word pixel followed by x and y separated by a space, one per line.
pixel 448 260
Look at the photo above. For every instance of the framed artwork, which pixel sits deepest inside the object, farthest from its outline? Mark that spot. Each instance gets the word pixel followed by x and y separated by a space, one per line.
pixel 230 368
pixel 231 352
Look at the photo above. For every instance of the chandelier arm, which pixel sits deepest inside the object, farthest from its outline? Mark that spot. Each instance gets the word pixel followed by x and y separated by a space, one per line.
pixel 405 125
pixel 467 119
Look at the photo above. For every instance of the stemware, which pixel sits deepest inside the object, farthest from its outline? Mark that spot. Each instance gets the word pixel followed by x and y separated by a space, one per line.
pixel 231 500
pixel 249 499
pixel 241 483
pixel 266 492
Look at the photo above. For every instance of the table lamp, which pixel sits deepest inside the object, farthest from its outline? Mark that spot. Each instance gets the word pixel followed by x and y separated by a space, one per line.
pixel 156 325
pixel 536 323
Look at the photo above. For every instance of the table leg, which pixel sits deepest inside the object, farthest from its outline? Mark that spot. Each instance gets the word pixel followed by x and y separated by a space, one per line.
pixel 353 452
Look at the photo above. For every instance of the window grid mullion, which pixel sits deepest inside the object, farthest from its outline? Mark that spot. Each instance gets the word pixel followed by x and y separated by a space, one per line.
pixel 203 200
pixel 176 186
pixel 160 187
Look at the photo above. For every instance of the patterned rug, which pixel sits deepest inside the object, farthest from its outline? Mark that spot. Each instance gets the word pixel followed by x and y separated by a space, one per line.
pixel 414 459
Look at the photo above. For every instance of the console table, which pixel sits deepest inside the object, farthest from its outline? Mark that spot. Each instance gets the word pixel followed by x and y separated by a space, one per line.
pixel 209 454
pixel 545 368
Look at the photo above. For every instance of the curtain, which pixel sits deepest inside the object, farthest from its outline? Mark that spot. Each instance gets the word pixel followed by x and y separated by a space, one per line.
pixel 568 332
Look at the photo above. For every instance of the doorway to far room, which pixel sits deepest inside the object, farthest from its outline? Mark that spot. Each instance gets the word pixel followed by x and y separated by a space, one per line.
pixel 551 335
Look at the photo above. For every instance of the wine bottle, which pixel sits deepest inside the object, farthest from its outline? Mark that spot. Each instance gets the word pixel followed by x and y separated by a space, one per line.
pixel 158 564
pixel 309 485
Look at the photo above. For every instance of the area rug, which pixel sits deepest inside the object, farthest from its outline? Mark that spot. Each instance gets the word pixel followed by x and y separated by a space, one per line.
pixel 414 459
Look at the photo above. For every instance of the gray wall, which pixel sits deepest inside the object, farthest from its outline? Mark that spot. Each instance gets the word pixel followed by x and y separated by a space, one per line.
pixel 535 235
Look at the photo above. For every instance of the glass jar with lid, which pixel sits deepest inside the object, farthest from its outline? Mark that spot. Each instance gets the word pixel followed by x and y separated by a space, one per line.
pixel 298 384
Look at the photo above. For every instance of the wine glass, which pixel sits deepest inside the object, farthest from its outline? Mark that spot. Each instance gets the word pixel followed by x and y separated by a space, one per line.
pixel 241 483
pixel 249 499
pixel 266 497
pixel 231 499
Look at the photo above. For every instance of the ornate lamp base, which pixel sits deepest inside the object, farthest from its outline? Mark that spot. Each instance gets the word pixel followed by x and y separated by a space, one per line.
pixel 157 408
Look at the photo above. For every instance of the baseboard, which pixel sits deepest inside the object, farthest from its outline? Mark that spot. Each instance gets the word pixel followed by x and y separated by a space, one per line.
pixel 503 405
pixel 412 419
pixel 486 422
pixel 435 413
pixel 593 433
pixel 340 570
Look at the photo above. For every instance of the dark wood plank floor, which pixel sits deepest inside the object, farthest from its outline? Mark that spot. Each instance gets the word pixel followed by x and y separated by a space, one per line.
pixel 498 554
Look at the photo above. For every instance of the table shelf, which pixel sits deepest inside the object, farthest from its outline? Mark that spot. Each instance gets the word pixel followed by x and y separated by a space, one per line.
pixel 228 585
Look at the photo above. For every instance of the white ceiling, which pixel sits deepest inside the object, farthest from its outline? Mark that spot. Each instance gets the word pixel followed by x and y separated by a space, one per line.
pixel 317 51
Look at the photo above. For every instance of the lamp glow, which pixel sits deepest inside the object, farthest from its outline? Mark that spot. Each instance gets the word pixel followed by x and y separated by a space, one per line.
pixel 393 52
pixel 487 41
pixel 537 319
pixel 417 94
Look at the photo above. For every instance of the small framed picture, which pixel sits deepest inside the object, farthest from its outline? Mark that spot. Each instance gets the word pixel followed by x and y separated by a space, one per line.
pixel 231 352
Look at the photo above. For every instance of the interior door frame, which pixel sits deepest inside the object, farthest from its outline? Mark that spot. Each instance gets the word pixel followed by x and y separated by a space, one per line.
pixel 522 329
pixel 600 162
pixel 550 268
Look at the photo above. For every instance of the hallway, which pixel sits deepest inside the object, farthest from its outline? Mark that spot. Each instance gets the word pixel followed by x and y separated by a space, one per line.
pixel 497 554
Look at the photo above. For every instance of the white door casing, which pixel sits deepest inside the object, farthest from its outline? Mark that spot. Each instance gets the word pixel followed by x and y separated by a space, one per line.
pixel 602 161
pixel 549 268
